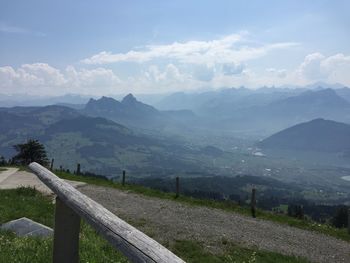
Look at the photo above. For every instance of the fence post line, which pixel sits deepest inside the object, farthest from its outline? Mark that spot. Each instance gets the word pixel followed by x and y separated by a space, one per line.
pixel 78 168
pixel 66 234
pixel 253 202
pixel 349 220
pixel 123 178
pixel 51 165
pixel 177 187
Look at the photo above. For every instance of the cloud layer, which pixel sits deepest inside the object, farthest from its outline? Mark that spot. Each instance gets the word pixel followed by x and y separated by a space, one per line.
pixel 221 62
pixel 232 48
pixel 43 79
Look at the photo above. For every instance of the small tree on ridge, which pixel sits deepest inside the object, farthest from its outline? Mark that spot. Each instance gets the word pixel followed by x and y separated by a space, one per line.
pixel 31 151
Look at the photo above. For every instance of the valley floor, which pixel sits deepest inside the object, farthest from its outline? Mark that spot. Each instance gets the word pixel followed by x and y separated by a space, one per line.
pixel 168 221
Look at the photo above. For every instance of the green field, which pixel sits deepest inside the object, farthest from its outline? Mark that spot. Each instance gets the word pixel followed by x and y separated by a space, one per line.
pixel 27 202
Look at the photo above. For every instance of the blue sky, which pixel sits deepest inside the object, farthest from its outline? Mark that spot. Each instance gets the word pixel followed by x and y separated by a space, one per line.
pixel 114 47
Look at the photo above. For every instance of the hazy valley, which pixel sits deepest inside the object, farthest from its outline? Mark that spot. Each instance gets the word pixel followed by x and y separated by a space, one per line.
pixel 206 137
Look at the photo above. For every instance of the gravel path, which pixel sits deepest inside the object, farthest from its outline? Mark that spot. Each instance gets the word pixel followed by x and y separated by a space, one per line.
pixel 167 220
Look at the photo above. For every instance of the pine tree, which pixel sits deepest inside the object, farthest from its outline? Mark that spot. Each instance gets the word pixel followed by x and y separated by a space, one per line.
pixel 2 160
pixel 31 151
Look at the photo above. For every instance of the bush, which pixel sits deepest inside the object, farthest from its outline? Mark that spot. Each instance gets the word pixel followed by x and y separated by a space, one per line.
pixel 340 219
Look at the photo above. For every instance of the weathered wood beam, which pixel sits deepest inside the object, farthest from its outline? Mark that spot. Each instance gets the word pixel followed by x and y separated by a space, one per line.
pixel 134 244
pixel 66 234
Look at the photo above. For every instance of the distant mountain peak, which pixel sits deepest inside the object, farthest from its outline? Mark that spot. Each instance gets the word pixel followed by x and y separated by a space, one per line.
pixel 318 120
pixel 106 99
pixel 103 99
pixel 129 99
pixel 128 111
pixel 103 103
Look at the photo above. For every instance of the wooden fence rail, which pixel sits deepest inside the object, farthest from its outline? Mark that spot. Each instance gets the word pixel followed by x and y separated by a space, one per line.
pixel 71 205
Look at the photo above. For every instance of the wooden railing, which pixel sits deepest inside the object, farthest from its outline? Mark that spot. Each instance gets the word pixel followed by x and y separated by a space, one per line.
pixel 71 206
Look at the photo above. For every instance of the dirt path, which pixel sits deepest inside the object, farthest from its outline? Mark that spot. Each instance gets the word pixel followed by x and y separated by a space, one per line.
pixel 167 220
pixel 13 178
pixel 5 174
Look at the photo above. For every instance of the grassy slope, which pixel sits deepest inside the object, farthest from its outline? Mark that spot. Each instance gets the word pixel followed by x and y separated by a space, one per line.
pixel 29 203
pixel 193 252
pixel 228 206
pixel 26 202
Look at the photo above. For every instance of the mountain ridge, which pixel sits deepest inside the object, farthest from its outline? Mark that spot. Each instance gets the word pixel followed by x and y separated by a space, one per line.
pixel 316 135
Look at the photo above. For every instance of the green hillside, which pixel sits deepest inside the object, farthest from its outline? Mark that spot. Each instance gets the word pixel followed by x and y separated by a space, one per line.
pixel 98 144
pixel 317 135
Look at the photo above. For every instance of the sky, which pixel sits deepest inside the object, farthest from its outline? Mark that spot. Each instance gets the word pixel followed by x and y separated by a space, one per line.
pixel 116 47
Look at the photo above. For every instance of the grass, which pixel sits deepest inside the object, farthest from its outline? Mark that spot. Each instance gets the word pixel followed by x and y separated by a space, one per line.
pixel 24 249
pixel 27 202
pixel 224 205
pixel 193 252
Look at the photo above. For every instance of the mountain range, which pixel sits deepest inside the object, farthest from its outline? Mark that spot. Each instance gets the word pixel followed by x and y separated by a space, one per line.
pixel 131 112
pixel 98 144
pixel 106 134
pixel 264 111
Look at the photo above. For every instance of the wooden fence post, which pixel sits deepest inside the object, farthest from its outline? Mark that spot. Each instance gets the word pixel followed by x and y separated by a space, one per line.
pixel 123 178
pixel 349 221
pixel 71 205
pixel 253 202
pixel 78 168
pixel 66 234
pixel 51 166
pixel 177 187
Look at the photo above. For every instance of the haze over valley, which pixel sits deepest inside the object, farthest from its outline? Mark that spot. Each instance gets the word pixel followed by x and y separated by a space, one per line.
pixel 238 106
pixel 297 136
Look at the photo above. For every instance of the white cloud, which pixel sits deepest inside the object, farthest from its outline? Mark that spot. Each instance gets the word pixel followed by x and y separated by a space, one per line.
pixel 281 73
pixel 232 68
pixel 310 68
pixel 317 66
pixel 41 78
pixel 169 77
pixel 157 79
pixel 43 74
pixel 30 78
pixel 203 72
pixel 7 76
pixel 93 78
pixel 228 49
